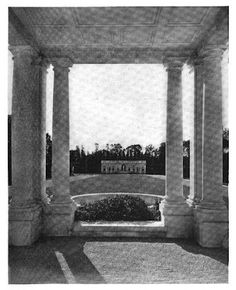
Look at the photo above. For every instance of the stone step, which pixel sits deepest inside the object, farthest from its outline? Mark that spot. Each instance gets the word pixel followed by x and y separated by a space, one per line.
pixel 120 229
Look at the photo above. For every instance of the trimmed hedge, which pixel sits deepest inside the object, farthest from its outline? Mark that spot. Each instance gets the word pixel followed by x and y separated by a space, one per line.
pixel 117 208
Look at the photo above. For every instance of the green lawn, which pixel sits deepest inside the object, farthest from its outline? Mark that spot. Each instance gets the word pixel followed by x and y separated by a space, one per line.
pixel 130 183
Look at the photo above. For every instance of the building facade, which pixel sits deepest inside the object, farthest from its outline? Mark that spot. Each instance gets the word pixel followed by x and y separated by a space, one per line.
pixel 123 166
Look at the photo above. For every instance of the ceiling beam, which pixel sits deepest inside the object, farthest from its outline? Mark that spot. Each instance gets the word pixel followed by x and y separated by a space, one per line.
pixel 114 55
pixel 21 30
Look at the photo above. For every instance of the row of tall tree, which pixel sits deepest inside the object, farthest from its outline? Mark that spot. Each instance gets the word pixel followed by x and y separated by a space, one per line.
pixel 82 161
pixel 86 162
pixel 90 162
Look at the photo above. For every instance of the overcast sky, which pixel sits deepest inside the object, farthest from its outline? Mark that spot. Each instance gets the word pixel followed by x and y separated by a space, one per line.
pixel 121 103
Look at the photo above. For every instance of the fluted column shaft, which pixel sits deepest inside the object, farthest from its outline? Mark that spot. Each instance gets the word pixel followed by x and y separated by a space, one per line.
pixel 176 214
pixel 211 215
pixel 59 216
pixel 27 127
pixel 196 135
pixel 44 67
pixel 174 132
pixel 60 133
pixel 40 162
pixel 212 128
pixel 28 146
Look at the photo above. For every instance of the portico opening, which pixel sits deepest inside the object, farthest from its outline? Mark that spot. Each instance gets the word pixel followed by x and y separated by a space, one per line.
pixel 204 212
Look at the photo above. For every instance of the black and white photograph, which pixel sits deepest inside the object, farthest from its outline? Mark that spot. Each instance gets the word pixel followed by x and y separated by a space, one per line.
pixel 117 144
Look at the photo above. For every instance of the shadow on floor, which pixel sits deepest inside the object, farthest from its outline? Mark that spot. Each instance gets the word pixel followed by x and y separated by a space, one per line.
pixel 38 264
pixel 218 254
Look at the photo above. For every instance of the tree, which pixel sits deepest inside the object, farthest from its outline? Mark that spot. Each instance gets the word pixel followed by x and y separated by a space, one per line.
pixel 116 150
pixel 96 147
pixel 186 159
pixel 226 155
pixel 77 154
pixel 135 150
pixel 9 152
pixel 48 156
pixel 82 152
pixel 186 148
pixel 226 140
pixel 161 159
pixel 149 150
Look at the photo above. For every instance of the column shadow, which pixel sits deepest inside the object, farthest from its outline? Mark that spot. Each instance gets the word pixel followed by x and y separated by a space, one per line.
pixel 80 265
pixel 38 264
pixel 218 254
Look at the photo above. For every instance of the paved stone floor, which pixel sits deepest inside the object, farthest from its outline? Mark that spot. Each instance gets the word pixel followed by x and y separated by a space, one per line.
pixel 76 260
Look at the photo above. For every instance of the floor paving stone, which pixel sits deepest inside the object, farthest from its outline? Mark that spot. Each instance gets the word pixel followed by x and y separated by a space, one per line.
pixel 116 260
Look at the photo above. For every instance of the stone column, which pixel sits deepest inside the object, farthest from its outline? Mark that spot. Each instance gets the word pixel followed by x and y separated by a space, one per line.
pixel 59 217
pixel 196 136
pixel 60 131
pixel 177 214
pixel 211 215
pixel 25 207
pixel 41 164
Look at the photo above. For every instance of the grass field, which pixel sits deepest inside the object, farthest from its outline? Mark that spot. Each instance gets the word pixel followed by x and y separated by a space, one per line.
pixel 102 183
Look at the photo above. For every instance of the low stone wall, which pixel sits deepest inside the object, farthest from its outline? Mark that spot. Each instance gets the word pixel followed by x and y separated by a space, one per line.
pixel 150 199
pixel 141 229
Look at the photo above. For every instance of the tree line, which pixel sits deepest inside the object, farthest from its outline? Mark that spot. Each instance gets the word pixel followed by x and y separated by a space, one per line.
pixel 86 162
pixel 90 162
pixel 82 161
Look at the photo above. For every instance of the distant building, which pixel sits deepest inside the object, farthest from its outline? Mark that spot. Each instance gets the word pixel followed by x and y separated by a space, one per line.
pixel 123 166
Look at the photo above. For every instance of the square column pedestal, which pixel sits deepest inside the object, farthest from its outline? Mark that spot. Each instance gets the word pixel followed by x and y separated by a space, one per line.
pixel 25 224
pixel 178 218
pixel 58 218
pixel 211 226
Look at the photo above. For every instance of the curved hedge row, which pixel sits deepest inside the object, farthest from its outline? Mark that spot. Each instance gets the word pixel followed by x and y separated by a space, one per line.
pixel 117 208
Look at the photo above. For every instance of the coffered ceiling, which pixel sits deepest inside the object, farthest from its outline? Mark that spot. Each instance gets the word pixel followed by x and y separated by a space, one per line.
pixel 162 28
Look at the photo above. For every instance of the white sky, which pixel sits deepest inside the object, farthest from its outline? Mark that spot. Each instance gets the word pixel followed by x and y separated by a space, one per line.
pixel 121 103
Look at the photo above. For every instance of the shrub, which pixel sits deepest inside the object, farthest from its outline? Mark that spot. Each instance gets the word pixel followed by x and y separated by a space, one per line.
pixel 118 208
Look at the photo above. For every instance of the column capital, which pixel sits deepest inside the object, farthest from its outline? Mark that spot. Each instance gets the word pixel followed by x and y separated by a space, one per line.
pixel 61 63
pixel 212 52
pixel 41 61
pixel 195 60
pixel 173 62
pixel 22 50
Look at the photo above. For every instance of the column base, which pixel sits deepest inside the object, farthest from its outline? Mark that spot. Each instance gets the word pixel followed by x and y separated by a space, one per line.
pixel 193 202
pixel 178 218
pixel 58 219
pixel 25 225
pixel 211 226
